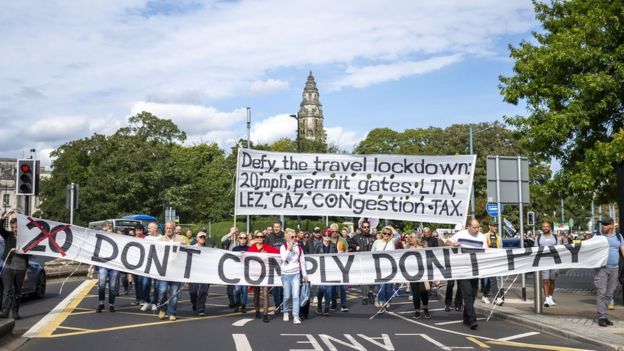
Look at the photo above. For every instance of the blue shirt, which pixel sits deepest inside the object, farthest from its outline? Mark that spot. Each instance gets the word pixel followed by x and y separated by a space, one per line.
pixel 614 248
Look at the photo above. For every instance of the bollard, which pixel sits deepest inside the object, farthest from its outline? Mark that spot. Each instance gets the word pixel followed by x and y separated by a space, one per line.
pixel 537 292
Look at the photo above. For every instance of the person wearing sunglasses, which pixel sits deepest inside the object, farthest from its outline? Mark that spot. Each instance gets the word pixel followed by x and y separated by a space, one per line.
pixel 293 272
pixel 199 292
pixel 326 246
pixel 364 243
pixel 240 291
pixel 259 246
pixel 387 242
pixel 342 246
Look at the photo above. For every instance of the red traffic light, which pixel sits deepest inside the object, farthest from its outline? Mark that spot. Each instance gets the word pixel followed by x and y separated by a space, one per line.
pixel 25 168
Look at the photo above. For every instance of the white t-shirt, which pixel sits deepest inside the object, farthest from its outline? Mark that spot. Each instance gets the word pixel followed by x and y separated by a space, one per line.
pixel 466 239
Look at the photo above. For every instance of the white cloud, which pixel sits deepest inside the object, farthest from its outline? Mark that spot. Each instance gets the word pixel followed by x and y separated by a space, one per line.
pixel 343 139
pixel 273 128
pixel 368 75
pixel 263 87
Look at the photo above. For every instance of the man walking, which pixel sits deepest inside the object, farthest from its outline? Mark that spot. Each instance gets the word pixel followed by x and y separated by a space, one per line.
pixel 167 306
pixel 548 276
pixel 607 276
pixel 14 270
pixel 364 243
pixel 491 284
pixel 199 292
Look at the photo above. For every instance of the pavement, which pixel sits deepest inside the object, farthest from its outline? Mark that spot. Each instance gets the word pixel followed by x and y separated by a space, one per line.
pixel 574 316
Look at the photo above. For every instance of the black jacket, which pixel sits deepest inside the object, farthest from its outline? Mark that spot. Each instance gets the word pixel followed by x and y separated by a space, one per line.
pixel 364 242
pixel 318 249
pixel 10 242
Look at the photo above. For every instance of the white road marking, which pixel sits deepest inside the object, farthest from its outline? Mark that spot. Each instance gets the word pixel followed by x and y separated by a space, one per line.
pixel 32 332
pixel 514 337
pixel 430 310
pixel 430 339
pixel 242 322
pixel 241 342
pixel 455 322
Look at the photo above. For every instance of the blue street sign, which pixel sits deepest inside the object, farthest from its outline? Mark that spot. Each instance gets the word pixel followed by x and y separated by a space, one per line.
pixel 492 209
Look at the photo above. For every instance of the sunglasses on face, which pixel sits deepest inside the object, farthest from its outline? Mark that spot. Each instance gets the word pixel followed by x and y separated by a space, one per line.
pixel 325 234
pixel 365 227
pixel 260 236
pixel 386 233
pixel 243 238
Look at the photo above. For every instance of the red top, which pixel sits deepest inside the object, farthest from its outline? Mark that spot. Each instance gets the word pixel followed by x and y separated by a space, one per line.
pixel 265 248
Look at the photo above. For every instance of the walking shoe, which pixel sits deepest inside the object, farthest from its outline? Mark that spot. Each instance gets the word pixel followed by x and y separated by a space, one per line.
pixel 286 318
pixel 334 306
pixel 427 314
pixel 458 308
pixel 100 309
pixel 474 326
pixel 161 315
pixel 319 310
pixel 17 317
pixel 485 300
pixel 546 302
pixel 243 309
pixel 134 303
pixel 296 320
pixel 610 306
pixel 201 314
pixel 344 309
pixel 552 301
pixel 265 318
pixel 410 297
pixel 172 318
pixel 146 306
pixel 447 308
pixel 365 301
pixel 499 301
pixel 602 322
pixel 417 315
pixel 377 304
pixel 326 313
pixel 257 314
pixel 111 308
pixel 608 321
pixel 154 308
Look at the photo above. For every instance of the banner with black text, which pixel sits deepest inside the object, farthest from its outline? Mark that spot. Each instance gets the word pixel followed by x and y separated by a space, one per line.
pixel 430 189
pixel 175 262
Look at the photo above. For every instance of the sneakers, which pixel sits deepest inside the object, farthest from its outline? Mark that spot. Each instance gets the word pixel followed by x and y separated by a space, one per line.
pixel 111 308
pixel 286 318
pixel 377 304
pixel 602 322
pixel 485 300
pixel 447 308
pixel 334 306
pixel 427 314
pixel 154 308
pixel 201 314
pixel 296 320
pixel 146 307
pixel 265 318
pixel 134 303
pixel 552 302
pixel 610 306
pixel 161 315
pixel 417 315
pixel 344 309
pixel 499 301
pixel 172 318
pixel 549 301
pixel 410 297
pixel 100 308
pixel 243 309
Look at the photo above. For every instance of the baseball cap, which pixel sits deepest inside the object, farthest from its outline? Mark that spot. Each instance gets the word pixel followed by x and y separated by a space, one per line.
pixel 201 234
pixel 317 229
pixel 607 220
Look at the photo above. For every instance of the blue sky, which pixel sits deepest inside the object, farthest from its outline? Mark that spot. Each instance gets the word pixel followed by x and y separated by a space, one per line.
pixel 72 69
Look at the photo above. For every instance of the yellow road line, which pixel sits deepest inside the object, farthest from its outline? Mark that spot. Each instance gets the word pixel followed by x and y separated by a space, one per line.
pixel 533 346
pixel 140 325
pixel 61 316
pixel 72 328
pixel 476 341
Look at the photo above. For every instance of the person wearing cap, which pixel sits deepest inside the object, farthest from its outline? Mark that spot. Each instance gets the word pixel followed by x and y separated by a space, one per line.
pixel 240 291
pixel 491 284
pixel 547 238
pixel 199 292
pixel 364 242
pixel 316 237
pixel 606 277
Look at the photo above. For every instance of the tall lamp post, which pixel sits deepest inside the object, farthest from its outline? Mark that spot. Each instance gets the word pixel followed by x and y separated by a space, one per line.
pixel 296 117
pixel 470 146
pixel 248 146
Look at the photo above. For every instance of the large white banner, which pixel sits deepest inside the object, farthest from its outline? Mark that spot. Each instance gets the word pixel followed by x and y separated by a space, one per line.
pixel 430 189
pixel 175 262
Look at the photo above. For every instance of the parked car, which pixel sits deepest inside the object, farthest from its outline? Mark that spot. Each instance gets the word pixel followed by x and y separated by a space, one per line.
pixel 35 281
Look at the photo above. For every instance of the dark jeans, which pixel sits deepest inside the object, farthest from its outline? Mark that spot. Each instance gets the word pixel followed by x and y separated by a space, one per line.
pixel 278 296
pixel 143 286
pixel 230 294
pixel 12 280
pixel 448 300
pixel 324 291
pixel 199 294
pixel 420 294
pixel 469 288
pixel 343 295
pixel 488 285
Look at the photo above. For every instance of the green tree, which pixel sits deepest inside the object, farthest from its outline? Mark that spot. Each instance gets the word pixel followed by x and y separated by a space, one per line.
pixel 572 81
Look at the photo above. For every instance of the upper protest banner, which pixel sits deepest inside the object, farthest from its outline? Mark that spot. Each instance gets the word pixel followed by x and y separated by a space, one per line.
pixel 431 189
pixel 172 261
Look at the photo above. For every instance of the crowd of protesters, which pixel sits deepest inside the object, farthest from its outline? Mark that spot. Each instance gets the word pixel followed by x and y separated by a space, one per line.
pixel 161 296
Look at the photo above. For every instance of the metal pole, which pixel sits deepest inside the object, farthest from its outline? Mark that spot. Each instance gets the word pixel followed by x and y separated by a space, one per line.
pixel 591 221
pixel 298 151
pixel 521 206
pixel 472 196
pixel 499 216
pixel 209 228
pixel 537 289
pixel 248 146
pixel 72 188
pixel 562 216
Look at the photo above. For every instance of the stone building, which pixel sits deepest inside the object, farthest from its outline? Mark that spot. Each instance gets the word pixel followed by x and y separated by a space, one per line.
pixel 311 113
pixel 9 199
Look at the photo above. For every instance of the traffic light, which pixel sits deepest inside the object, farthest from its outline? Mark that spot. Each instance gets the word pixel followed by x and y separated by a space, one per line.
pixel 27 177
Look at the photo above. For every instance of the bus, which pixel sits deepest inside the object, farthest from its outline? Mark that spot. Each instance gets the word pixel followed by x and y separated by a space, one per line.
pixel 125 223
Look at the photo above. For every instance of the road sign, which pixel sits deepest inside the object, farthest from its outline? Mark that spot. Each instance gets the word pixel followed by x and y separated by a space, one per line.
pixel 492 209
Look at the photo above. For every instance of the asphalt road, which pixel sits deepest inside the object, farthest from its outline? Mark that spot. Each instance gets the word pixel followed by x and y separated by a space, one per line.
pixel 78 327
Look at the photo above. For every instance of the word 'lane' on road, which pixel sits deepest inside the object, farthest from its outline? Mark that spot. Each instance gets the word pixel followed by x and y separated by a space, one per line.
pixel 75 323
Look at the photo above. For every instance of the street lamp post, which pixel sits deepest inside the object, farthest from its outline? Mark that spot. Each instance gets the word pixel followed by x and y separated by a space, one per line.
pixel 296 117
pixel 248 146
pixel 472 196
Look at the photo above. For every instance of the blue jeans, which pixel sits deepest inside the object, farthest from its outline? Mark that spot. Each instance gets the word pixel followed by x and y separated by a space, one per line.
pixel 165 290
pixel 291 286
pixel 385 292
pixel 111 275
pixel 143 288
pixel 240 295
pixel 343 295
pixel 324 291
